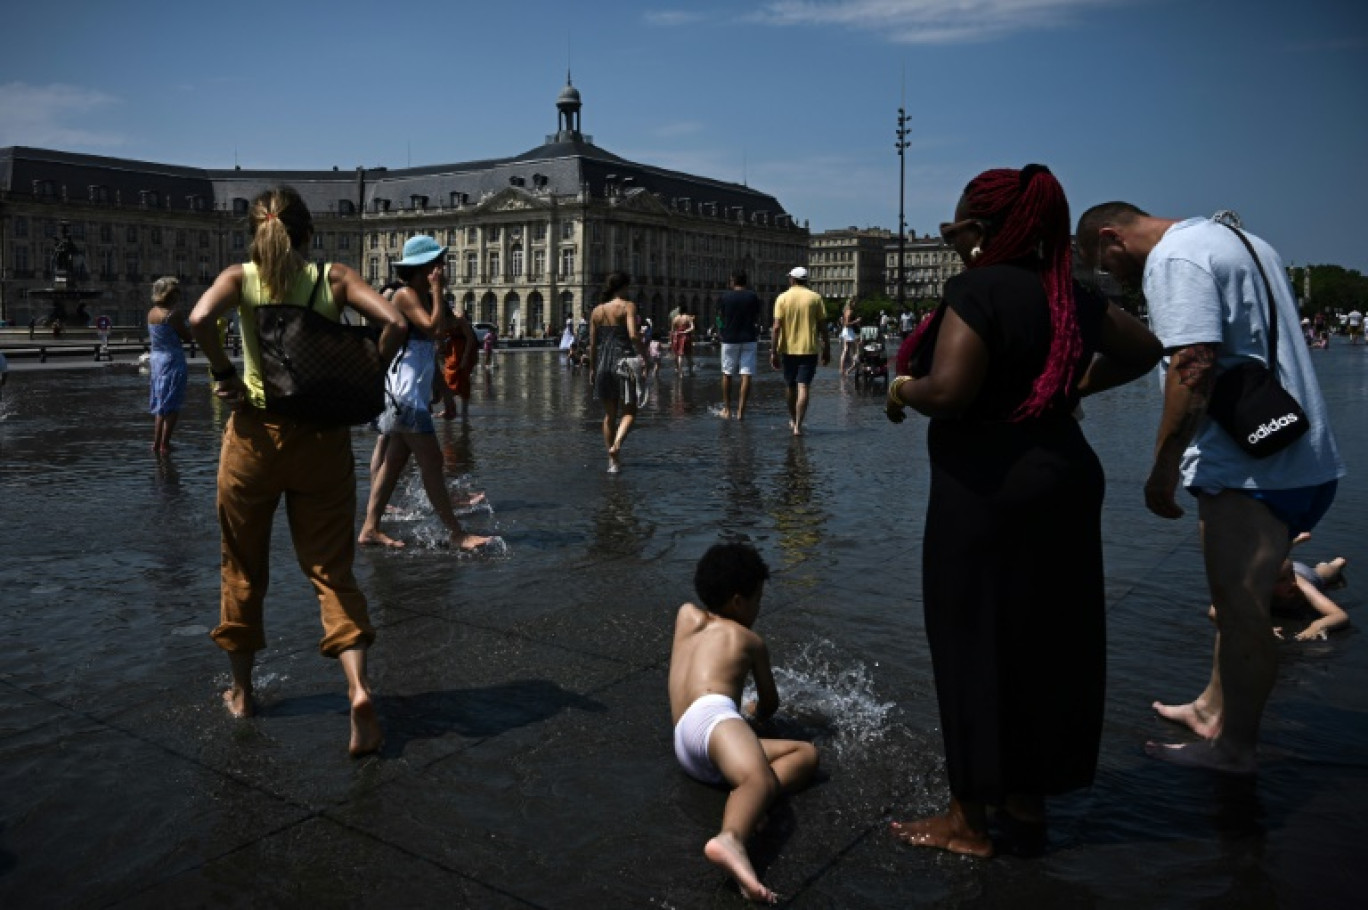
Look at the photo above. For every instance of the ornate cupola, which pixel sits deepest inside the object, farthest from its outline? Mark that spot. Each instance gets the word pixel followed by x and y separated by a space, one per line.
pixel 568 105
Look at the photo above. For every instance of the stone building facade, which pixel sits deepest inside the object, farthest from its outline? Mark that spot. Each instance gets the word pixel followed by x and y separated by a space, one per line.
pixel 928 262
pixel 532 237
pixel 848 263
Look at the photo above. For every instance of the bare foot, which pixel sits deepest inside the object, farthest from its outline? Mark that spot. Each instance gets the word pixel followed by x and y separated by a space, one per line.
pixel 467 542
pixel 366 736
pixel 377 539
pixel 725 414
pixel 1209 755
pixel 474 499
pixel 1194 716
pixel 946 832
pixel 726 851
pixel 614 466
pixel 239 702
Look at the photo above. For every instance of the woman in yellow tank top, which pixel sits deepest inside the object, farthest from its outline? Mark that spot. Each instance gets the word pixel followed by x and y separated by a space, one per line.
pixel 265 456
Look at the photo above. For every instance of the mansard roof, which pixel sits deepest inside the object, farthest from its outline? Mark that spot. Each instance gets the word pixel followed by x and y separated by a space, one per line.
pixel 567 164
pixel 21 166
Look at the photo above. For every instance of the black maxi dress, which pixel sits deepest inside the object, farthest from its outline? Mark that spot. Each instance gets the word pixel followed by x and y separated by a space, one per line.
pixel 1012 559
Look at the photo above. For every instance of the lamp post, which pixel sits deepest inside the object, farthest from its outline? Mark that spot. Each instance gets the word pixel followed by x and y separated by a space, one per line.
pixel 901 145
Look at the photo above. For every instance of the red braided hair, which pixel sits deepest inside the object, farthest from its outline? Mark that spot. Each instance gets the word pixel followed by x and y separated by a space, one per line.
pixel 1028 217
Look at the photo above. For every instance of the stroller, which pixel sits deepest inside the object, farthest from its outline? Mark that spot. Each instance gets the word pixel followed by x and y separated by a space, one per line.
pixel 873 363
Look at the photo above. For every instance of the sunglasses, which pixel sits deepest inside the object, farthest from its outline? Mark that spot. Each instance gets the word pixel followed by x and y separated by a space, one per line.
pixel 951 229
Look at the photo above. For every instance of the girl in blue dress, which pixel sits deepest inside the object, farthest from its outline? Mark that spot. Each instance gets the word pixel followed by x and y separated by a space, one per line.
pixel 167 329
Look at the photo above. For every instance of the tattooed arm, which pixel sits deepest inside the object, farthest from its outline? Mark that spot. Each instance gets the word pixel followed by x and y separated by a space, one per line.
pixel 1187 389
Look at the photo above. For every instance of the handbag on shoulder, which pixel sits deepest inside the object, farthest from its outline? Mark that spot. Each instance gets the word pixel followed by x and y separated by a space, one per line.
pixel 1248 402
pixel 317 370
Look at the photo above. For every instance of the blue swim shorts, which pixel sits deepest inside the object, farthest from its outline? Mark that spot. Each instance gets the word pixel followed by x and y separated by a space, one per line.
pixel 1300 508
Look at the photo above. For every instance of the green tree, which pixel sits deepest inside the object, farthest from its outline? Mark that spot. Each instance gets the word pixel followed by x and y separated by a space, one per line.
pixel 1333 287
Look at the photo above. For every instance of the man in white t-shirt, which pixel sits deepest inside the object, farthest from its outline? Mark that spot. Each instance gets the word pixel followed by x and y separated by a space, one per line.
pixel 1355 320
pixel 1209 307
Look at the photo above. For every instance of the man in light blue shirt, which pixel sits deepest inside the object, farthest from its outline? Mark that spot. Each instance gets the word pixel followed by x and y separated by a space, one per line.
pixel 1209 307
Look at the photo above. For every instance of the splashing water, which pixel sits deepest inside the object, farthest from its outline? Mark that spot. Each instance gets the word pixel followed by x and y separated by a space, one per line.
pixel 427 532
pixel 830 698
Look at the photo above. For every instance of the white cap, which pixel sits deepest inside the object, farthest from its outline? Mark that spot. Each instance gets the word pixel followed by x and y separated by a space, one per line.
pixel 798 272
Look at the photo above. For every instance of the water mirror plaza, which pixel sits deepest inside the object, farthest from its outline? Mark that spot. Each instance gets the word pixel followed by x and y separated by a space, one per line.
pixel 528 758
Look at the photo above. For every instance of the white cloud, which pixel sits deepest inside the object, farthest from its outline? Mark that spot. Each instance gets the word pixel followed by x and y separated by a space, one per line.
pixel 669 18
pixel 49 116
pixel 928 21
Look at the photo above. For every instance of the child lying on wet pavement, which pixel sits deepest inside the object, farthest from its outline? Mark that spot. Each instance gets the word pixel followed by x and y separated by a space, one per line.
pixel 714 650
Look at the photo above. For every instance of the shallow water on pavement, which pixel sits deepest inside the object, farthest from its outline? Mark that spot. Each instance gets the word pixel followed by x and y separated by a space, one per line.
pixel 528 681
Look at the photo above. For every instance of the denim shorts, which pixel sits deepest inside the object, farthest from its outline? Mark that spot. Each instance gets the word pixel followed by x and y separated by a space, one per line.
pixel 738 358
pixel 405 418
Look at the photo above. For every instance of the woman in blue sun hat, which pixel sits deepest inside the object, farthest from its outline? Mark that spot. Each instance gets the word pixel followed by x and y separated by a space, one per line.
pixel 406 423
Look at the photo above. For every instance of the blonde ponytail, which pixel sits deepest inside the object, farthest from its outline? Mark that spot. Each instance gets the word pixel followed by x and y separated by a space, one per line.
pixel 281 226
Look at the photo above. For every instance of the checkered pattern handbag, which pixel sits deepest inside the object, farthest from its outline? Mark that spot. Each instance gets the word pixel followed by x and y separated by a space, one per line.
pixel 317 370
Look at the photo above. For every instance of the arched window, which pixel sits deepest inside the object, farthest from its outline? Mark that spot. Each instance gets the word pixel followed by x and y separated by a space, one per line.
pixel 489 308
pixel 536 311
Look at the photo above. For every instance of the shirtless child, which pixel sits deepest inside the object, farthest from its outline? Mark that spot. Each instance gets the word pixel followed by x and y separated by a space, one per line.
pixel 714 650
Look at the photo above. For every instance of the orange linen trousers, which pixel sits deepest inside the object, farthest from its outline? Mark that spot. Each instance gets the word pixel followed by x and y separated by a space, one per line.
pixel 265 456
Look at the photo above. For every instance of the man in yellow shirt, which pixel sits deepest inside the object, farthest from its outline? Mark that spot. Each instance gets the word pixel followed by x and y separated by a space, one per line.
pixel 799 318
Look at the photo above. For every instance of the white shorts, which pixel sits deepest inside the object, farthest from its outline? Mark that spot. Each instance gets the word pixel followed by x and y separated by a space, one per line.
pixel 739 358
pixel 693 731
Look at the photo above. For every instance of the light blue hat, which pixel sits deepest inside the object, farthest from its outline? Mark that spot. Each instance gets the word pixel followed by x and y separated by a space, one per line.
pixel 421 250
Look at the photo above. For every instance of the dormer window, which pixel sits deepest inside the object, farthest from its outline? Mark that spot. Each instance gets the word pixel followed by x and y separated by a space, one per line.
pixel 239 206
pixel 346 207
pixel 418 203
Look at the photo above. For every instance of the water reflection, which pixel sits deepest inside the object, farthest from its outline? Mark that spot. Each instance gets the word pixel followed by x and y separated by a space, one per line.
pixel 458 456
pixel 798 518
pixel 617 529
pixel 104 545
pixel 743 502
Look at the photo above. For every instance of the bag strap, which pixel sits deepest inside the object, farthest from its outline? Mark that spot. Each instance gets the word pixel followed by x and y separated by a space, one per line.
pixel 1272 309
pixel 318 282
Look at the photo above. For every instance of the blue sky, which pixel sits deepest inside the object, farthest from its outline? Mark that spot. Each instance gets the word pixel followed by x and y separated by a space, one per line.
pixel 1180 106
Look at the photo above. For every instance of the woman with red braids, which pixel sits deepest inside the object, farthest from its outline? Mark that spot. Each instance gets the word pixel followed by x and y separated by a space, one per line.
pixel 1017 640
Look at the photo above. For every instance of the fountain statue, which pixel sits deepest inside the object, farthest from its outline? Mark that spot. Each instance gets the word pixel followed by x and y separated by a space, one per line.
pixel 64 290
